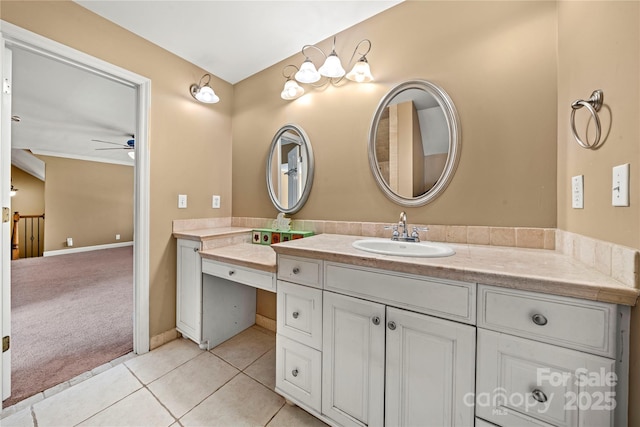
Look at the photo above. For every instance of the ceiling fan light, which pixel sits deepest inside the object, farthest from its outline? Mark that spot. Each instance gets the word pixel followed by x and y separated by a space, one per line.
pixel 14 191
pixel 332 67
pixel 292 90
pixel 307 72
pixel 360 73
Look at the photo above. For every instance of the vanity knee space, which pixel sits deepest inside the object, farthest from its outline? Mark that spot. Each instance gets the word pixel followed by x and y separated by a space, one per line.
pixel 352 340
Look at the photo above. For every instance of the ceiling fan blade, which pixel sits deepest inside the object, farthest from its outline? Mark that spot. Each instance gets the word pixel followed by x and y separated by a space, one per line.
pixel 109 142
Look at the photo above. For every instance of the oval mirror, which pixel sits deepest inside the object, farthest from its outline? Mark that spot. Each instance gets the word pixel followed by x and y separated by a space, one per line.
pixel 414 143
pixel 290 169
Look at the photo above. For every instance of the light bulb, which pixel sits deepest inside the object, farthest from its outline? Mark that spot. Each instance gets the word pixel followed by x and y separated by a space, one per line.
pixel 207 95
pixel 291 90
pixel 360 73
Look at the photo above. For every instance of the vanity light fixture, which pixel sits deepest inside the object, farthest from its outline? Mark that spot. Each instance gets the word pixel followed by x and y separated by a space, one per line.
pixel 331 69
pixel 203 92
pixel 292 89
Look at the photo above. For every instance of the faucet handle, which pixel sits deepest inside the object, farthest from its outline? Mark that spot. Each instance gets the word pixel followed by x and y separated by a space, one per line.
pixel 393 227
pixel 414 233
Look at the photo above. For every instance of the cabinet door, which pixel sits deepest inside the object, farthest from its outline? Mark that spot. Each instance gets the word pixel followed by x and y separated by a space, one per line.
pixel 430 368
pixel 189 290
pixel 353 360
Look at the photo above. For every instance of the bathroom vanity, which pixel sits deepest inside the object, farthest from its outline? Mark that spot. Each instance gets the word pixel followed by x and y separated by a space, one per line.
pixel 218 271
pixel 366 339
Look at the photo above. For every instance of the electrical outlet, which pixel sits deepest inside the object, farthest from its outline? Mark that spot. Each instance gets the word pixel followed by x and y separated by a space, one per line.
pixel 577 192
pixel 117 237
pixel 182 201
pixel 620 187
pixel 215 202
pixel 69 241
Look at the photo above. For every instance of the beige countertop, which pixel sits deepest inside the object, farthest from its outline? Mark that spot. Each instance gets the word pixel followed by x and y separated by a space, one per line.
pixel 260 257
pixel 210 233
pixel 535 270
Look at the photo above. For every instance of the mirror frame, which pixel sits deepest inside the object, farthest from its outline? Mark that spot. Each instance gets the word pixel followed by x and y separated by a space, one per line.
pixel 453 124
pixel 310 169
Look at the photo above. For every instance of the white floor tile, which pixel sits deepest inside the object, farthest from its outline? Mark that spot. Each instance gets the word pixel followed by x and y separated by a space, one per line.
pixel 138 409
pixel 183 388
pixel 293 416
pixel 241 402
pixel 246 347
pixel 263 370
pixel 156 363
pixel 83 400
pixel 21 418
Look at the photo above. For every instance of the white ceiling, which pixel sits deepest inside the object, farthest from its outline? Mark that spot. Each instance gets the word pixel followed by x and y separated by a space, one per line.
pixel 62 108
pixel 236 39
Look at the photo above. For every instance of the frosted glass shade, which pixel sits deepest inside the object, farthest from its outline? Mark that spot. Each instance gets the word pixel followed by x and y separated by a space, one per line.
pixel 307 72
pixel 207 95
pixel 292 90
pixel 332 67
pixel 360 73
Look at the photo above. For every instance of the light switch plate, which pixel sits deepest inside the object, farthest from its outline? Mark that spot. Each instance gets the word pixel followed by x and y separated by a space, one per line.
pixel 215 202
pixel 182 201
pixel 577 192
pixel 620 187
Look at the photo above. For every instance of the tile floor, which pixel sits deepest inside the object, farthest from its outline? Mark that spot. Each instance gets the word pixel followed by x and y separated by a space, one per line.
pixel 175 385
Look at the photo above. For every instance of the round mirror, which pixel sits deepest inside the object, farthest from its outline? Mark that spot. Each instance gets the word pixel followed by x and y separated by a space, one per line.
pixel 290 169
pixel 414 143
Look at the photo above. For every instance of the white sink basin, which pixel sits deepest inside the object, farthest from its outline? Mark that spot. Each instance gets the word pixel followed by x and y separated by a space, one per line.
pixel 410 249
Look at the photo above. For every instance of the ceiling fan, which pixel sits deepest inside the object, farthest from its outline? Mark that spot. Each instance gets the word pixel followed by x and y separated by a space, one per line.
pixel 129 145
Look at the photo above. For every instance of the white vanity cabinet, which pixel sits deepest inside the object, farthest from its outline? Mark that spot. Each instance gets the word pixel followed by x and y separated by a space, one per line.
pixel 189 289
pixel 383 362
pixel 546 360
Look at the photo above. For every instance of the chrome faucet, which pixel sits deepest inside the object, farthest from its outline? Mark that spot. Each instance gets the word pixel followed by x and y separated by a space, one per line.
pixel 403 235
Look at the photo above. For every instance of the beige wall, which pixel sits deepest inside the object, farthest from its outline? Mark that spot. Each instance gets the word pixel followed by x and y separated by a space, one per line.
pixel 190 143
pixel 90 202
pixel 497 61
pixel 606 58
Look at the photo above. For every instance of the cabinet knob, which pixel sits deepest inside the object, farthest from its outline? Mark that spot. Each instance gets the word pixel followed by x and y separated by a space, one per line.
pixel 295 314
pixel 294 372
pixel 376 320
pixel 539 319
pixel 539 395
pixel 296 270
pixel 392 325
pixel 196 249
pixel 232 272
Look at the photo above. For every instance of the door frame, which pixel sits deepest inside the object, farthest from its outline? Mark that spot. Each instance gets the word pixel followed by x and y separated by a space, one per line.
pixel 12 35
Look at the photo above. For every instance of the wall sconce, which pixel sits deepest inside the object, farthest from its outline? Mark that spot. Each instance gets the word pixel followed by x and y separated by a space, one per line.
pixel 14 191
pixel 331 69
pixel 203 92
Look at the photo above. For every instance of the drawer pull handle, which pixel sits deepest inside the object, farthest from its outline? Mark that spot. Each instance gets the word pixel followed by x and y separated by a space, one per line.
pixel 294 372
pixel 539 395
pixel 296 270
pixel 231 272
pixel 539 319
pixel 376 320
pixel 196 249
pixel 295 314
pixel 392 325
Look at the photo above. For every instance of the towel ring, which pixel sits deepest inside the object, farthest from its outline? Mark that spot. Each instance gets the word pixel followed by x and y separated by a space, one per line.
pixel 593 104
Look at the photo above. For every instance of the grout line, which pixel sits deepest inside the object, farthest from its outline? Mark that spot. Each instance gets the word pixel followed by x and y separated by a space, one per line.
pixel 277 412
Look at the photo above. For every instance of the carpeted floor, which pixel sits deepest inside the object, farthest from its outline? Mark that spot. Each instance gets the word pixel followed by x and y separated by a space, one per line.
pixel 70 313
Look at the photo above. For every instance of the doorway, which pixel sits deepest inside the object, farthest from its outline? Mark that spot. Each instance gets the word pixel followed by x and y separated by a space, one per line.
pixel 16 37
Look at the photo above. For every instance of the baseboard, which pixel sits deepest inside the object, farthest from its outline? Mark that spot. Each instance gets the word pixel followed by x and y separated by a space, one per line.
pixel 265 322
pixel 86 249
pixel 163 338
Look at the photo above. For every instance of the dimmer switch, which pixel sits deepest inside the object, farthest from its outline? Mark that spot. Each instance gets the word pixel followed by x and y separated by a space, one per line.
pixel 577 192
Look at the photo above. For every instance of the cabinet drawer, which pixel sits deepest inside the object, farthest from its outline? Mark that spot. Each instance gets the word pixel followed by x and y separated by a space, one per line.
pixel 298 372
pixel 442 298
pixel 246 276
pixel 579 324
pixel 526 383
pixel 300 313
pixel 304 271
